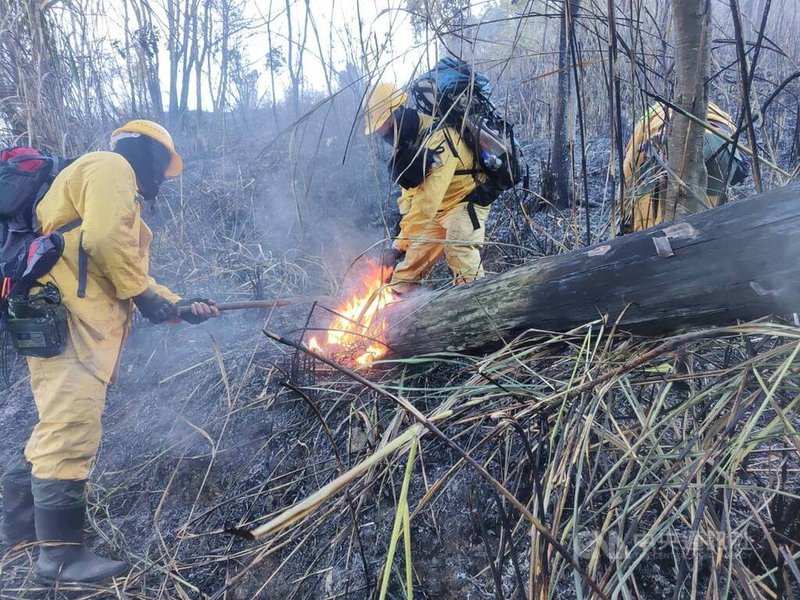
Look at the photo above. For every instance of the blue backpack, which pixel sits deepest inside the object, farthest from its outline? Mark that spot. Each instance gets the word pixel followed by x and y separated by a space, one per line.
pixel 458 96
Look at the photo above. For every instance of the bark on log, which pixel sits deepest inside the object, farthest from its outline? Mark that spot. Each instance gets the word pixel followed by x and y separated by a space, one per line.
pixel 738 261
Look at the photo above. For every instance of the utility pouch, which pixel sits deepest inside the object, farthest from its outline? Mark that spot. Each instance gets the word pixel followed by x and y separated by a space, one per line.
pixel 37 324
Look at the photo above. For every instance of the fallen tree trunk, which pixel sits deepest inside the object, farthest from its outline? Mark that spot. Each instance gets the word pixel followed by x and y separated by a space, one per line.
pixel 738 261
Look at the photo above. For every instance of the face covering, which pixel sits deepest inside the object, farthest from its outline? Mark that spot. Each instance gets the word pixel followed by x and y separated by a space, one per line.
pixel 405 129
pixel 149 160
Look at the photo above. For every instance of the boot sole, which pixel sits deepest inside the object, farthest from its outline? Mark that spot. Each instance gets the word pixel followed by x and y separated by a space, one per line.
pixel 43 579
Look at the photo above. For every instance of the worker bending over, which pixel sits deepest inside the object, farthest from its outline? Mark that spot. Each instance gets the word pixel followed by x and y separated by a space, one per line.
pixel 645 170
pixel 102 275
pixel 433 166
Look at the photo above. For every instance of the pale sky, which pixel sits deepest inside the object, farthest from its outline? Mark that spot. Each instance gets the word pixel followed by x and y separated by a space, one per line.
pixel 337 25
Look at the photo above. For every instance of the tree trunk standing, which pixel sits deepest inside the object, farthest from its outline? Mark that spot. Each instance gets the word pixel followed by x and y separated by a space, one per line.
pixel 745 81
pixel 615 106
pixel 738 261
pixel 9 84
pixel 173 33
pixel 294 92
pixel 204 42
pixel 688 176
pixel 189 23
pixel 224 60
pixel 147 49
pixel 564 117
pixel 796 145
pixel 133 81
pixel 272 67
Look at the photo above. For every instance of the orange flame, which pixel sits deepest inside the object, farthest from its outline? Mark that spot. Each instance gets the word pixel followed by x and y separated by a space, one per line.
pixel 355 331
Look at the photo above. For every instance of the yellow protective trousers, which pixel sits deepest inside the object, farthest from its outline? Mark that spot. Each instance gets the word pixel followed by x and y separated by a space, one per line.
pixel 450 233
pixel 70 401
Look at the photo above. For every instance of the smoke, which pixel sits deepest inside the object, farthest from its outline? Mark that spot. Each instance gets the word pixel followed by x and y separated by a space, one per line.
pixel 325 191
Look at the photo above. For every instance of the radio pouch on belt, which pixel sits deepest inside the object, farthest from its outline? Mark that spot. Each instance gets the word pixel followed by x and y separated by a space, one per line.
pixel 37 324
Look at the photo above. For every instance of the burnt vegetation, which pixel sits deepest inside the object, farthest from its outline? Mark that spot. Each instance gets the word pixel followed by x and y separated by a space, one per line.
pixel 645 468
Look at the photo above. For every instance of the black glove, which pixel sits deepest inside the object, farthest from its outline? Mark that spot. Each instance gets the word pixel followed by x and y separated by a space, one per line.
pixel 185 310
pixel 155 308
pixel 389 260
pixel 391 257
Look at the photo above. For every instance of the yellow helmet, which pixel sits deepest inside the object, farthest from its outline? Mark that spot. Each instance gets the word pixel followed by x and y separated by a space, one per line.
pixel 383 100
pixel 158 133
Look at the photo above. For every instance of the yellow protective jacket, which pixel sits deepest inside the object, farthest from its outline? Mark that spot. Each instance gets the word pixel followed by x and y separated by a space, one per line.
pixel 645 181
pixel 442 189
pixel 99 191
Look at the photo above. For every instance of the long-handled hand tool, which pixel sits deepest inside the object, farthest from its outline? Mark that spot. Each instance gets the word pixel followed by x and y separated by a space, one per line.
pixel 255 304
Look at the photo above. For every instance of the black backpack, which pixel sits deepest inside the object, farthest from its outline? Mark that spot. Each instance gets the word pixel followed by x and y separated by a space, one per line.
pixel 25 176
pixel 459 97
pixel 36 325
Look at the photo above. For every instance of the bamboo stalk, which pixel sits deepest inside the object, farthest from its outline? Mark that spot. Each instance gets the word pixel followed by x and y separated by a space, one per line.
pixel 310 504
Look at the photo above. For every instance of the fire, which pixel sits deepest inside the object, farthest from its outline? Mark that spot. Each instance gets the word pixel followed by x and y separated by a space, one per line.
pixel 356 329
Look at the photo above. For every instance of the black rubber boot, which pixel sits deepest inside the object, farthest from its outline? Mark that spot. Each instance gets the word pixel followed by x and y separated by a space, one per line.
pixel 18 525
pixel 62 555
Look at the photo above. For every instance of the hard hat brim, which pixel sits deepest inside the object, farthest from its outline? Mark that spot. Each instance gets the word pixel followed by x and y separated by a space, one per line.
pixel 175 167
pixel 373 126
pixel 390 104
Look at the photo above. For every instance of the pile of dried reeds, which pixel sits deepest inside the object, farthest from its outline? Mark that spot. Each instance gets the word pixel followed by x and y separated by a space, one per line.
pixel 629 487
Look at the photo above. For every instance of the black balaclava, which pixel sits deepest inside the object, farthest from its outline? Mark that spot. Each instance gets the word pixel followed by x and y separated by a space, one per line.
pixel 149 160
pixel 410 164
pixel 406 123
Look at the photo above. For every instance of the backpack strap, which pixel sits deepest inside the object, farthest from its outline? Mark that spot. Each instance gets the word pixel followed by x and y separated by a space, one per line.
pixel 450 144
pixel 440 124
pixel 69 226
pixel 83 257
pixel 473 216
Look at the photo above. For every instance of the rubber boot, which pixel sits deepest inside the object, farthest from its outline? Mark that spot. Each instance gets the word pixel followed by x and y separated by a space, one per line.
pixel 62 554
pixel 18 527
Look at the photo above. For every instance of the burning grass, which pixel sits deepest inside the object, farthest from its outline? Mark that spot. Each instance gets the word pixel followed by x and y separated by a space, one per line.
pixel 355 331
pixel 653 491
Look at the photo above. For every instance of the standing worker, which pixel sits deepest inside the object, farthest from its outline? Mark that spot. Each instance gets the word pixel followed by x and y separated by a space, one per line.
pixel 432 165
pixel 646 176
pixel 96 203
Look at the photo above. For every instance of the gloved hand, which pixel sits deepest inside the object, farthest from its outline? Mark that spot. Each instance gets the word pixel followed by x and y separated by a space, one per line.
pixel 155 308
pixel 197 310
pixel 389 260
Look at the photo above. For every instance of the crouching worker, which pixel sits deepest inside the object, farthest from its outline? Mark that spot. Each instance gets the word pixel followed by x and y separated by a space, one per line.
pixel 434 168
pixel 95 203
pixel 646 176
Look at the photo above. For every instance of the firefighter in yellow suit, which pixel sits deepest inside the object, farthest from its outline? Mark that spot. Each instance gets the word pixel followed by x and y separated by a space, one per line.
pixel 646 177
pixel 436 220
pixel 103 273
